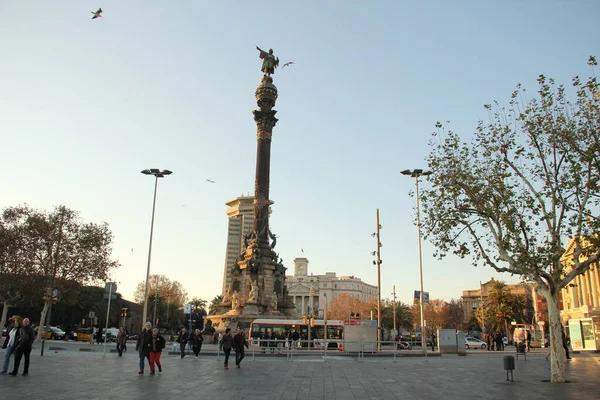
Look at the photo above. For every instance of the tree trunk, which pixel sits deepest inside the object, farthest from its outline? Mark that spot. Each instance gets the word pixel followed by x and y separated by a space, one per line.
pixel 4 314
pixel 43 318
pixel 557 355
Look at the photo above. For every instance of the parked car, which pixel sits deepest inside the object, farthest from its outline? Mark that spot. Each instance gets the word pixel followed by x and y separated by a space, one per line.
pixel 472 343
pixel 53 333
pixel 85 334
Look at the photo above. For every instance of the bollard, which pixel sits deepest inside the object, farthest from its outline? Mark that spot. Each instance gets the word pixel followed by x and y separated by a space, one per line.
pixel 509 366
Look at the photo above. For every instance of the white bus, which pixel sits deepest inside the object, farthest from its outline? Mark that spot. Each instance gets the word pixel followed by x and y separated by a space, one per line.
pixel 262 330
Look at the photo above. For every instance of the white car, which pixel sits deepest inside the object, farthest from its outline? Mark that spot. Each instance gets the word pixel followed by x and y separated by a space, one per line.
pixel 473 343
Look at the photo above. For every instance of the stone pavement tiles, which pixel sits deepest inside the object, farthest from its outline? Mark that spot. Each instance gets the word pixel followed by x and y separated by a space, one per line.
pixel 79 375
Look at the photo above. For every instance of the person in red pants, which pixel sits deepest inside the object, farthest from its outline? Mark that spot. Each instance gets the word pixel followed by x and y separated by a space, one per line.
pixel 155 350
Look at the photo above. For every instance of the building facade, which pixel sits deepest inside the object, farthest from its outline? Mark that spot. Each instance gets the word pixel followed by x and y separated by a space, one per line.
pixel 310 293
pixel 580 311
pixel 240 213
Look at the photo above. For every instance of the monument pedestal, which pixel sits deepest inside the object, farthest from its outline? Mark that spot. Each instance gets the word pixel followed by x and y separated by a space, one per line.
pixel 251 308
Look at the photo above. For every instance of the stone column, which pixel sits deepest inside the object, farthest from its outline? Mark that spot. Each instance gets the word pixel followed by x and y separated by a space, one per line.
pixel 594 281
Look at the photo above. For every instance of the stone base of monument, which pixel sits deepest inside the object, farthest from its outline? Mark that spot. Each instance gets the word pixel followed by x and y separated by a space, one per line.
pixel 251 308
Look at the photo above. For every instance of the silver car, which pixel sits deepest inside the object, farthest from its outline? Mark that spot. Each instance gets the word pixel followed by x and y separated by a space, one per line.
pixel 473 343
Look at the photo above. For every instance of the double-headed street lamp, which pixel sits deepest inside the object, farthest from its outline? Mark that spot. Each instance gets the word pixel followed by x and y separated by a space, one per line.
pixel 157 173
pixel 416 173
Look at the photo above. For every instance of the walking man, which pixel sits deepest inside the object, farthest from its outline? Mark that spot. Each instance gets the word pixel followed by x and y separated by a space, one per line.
pixel 143 345
pixel 121 341
pixel 23 342
pixel 239 342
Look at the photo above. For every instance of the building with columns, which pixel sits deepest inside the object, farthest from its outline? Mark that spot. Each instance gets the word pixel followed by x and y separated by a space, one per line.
pixel 581 304
pixel 311 292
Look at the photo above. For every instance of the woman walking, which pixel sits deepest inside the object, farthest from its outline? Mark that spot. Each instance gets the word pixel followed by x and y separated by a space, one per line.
pixel 227 346
pixel 9 343
pixel 155 349
pixel 182 339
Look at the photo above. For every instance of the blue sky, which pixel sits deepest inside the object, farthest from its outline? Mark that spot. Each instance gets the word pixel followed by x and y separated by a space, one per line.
pixel 85 105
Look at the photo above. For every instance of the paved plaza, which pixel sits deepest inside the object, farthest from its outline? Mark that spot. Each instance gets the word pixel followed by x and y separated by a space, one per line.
pixel 74 374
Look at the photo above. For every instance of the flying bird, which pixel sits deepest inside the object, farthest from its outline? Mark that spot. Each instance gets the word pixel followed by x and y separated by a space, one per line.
pixel 208 180
pixel 287 63
pixel 97 13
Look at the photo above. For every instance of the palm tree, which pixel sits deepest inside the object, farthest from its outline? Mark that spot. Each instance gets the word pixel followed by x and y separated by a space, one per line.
pixel 198 305
pixel 214 304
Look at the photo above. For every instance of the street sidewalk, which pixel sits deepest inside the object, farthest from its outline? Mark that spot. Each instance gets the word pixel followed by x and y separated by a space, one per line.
pixel 90 375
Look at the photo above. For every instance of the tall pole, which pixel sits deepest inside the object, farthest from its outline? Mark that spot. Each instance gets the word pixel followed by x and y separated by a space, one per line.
pixel 423 336
pixel 416 174
pixel 378 284
pixel 155 301
pixel 482 310
pixel 51 289
pixel 110 287
pixel 145 312
pixel 157 174
pixel 394 311
pixel 325 323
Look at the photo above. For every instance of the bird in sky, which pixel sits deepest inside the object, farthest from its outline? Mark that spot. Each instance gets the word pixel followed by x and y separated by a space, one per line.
pixel 97 13
pixel 287 63
pixel 208 180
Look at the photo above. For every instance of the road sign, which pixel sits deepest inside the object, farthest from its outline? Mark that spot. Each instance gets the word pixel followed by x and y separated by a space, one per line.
pixel 112 296
pixel 92 314
pixel 110 287
pixel 187 309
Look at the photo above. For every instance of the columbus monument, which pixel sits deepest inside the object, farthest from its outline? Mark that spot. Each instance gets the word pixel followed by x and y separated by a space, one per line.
pixel 258 288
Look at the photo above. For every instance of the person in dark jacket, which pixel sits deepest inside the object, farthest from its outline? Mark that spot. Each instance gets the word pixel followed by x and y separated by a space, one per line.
pixel 227 342
pixel 121 341
pixel 23 342
pixel 565 343
pixel 155 346
pixel 9 343
pixel 197 340
pixel 142 345
pixel 182 339
pixel 239 342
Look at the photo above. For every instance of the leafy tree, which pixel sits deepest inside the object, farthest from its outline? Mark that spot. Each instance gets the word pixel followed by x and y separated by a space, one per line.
pixel 16 282
pixel 455 314
pixel 529 178
pixel 403 316
pixel 214 304
pixel 173 291
pixel 342 306
pixel 61 249
pixel 503 307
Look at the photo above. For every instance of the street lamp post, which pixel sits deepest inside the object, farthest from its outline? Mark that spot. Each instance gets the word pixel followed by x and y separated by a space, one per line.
pixel 416 174
pixel 157 173
pixel 394 311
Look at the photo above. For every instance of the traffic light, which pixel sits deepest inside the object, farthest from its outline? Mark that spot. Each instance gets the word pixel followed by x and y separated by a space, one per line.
pixel 305 319
pixel 312 322
pixel 124 312
pixel 313 291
